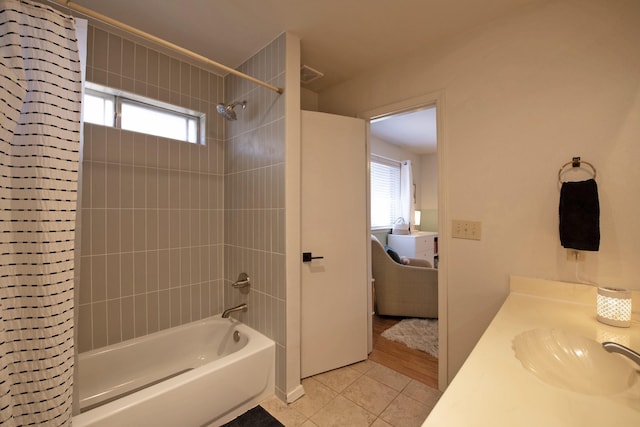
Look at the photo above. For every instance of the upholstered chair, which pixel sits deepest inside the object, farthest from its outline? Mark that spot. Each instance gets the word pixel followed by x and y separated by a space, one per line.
pixel 408 290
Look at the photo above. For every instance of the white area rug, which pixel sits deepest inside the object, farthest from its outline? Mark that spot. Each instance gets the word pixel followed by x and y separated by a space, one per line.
pixel 420 334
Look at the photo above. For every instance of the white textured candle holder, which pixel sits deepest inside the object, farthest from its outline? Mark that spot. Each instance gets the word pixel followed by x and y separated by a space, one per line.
pixel 614 307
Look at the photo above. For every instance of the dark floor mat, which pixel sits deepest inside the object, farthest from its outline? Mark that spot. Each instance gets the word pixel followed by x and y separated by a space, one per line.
pixel 257 416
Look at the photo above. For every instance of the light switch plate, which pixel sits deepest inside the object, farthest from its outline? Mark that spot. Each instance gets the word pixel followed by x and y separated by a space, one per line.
pixel 463 229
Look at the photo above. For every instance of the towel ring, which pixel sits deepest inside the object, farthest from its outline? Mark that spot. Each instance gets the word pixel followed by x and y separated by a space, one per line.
pixel 575 163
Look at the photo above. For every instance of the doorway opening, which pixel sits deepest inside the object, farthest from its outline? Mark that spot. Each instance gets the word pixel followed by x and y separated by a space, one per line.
pixel 396 136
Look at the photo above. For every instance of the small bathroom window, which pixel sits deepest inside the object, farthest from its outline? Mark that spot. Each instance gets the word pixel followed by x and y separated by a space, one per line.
pixel 110 107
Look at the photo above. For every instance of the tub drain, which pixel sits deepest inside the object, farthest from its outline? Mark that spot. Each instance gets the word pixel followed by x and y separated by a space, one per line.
pixel 236 336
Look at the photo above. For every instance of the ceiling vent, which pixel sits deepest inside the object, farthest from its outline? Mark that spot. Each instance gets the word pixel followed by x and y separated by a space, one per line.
pixel 308 74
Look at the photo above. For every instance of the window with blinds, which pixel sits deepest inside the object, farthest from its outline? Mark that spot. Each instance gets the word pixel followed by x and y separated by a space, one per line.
pixel 385 192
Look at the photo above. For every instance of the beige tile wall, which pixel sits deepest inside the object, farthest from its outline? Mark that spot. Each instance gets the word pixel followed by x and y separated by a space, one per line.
pixel 152 208
pixel 254 199
pixel 168 226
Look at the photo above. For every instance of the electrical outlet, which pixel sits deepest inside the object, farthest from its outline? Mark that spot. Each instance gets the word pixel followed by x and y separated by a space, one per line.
pixel 471 230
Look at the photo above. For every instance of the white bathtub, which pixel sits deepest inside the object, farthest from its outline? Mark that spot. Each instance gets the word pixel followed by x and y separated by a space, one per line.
pixel 198 374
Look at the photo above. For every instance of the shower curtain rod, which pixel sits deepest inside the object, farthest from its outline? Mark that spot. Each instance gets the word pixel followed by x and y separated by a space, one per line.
pixel 120 25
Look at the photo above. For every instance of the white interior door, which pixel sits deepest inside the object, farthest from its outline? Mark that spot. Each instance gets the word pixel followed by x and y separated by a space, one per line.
pixel 334 219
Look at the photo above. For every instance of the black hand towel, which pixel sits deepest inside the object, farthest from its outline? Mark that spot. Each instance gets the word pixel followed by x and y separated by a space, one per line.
pixel 580 215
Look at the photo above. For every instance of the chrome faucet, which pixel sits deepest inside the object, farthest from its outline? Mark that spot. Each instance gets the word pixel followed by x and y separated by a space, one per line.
pixel 228 311
pixel 614 347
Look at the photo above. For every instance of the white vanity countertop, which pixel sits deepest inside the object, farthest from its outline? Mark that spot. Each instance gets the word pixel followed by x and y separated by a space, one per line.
pixel 493 388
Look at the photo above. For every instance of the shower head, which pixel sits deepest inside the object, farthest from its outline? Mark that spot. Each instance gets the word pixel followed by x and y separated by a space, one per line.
pixel 228 112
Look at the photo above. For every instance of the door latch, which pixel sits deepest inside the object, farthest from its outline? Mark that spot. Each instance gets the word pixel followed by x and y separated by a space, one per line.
pixel 308 257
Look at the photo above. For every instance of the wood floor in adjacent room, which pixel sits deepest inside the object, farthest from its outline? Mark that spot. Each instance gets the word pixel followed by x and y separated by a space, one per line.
pixel 415 364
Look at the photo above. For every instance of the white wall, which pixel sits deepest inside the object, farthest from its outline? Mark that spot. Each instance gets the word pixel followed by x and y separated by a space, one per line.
pixel 521 97
pixel 293 119
pixel 428 191
pixel 308 100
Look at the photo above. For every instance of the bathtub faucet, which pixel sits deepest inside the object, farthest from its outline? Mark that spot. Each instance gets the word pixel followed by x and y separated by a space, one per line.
pixel 228 311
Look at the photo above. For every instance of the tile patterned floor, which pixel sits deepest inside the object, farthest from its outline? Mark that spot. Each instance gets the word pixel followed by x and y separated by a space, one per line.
pixel 363 394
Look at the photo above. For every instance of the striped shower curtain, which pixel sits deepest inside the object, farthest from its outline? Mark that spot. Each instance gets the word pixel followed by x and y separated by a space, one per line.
pixel 40 94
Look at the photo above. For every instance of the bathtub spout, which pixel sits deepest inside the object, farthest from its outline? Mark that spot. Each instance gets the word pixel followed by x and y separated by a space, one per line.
pixel 228 311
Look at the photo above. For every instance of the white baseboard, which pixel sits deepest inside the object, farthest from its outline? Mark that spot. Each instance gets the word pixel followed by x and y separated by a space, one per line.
pixel 295 394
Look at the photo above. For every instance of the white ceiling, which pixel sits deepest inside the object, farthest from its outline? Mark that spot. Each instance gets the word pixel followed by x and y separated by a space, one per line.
pixel 340 38
pixel 415 131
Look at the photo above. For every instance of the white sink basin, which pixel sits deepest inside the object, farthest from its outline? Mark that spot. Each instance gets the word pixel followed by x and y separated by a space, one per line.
pixel 573 362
